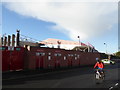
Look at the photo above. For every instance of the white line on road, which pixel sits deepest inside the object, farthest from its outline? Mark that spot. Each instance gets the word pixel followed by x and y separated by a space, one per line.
pixel 110 88
pixel 116 84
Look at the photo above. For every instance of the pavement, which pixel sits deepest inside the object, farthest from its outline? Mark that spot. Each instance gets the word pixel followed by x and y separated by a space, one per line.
pixel 76 78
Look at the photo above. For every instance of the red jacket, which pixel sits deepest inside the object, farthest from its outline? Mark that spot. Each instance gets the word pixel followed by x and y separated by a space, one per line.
pixel 100 65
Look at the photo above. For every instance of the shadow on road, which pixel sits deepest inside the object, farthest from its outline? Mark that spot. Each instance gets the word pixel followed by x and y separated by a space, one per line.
pixel 50 75
pixel 81 71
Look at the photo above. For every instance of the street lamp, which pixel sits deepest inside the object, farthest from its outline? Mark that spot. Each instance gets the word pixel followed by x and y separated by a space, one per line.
pixel 79 40
pixel 106 47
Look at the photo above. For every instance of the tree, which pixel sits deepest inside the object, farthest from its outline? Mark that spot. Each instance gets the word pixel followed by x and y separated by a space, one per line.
pixel 117 54
pixel 78 48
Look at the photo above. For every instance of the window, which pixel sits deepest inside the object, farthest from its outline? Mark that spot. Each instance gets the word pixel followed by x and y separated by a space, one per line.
pixel 11 48
pixel 37 54
pixel 2 48
pixel 55 54
pixel 59 54
pixel 68 54
pixel 18 49
pixel 40 54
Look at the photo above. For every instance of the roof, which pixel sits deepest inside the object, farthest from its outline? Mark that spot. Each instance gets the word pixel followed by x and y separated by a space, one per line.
pixel 56 41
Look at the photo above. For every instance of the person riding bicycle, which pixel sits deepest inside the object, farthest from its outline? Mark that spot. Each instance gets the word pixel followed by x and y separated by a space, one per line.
pixel 99 66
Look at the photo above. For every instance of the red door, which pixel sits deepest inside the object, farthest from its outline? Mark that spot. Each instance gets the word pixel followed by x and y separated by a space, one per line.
pixel 69 60
pixel 57 60
pixel 39 60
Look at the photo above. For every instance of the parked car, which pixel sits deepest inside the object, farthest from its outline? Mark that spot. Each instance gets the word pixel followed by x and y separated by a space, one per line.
pixel 106 61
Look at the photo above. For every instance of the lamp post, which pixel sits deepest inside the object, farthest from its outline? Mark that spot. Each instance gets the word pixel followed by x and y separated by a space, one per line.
pixel 106 47
pixel 79 40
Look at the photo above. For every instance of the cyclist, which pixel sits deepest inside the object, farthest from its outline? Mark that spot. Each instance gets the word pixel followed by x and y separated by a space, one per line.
pixel 99 66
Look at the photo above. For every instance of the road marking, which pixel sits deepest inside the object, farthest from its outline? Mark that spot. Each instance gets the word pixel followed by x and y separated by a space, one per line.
pixel 116 84
pixel 110 88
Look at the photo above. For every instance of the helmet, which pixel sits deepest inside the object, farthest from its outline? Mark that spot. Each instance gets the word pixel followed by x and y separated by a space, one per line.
pixel 98 60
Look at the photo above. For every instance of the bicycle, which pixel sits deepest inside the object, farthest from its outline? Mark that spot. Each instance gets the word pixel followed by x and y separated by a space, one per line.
pixel 99 76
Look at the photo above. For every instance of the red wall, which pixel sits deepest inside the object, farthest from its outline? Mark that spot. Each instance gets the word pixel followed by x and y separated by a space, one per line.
pixel 12 59
pixel 56 58
pixel 29 61
pixel 88 58
pixel 47 58
pixel 5 58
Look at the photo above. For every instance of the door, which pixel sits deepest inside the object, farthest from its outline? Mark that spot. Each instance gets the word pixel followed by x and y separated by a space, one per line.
pixel 39 59
pixel 57 59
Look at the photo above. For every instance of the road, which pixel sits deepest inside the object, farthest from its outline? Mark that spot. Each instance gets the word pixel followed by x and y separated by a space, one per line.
pixel 82 77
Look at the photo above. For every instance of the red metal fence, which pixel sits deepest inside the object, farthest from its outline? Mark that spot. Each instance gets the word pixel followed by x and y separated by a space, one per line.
pixel 18 58
pixel 12 58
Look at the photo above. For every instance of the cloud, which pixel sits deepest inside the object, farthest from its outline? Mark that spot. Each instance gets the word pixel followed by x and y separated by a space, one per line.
pixel 84 19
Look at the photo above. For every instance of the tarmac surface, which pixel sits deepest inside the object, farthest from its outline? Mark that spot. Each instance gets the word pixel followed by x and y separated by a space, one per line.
pixel 82 77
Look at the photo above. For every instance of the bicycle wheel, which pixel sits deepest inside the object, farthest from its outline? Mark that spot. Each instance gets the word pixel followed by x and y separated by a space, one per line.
pixel 97 78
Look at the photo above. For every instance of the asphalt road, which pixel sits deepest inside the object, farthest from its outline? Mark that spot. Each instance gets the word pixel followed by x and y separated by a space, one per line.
pixel 82 77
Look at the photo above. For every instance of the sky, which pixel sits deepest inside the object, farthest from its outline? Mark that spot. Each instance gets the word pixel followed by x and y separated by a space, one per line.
pixel 95 22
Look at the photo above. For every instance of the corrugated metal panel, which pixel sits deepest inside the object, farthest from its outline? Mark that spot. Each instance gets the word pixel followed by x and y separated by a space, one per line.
pixel 16 59
pixel 5 58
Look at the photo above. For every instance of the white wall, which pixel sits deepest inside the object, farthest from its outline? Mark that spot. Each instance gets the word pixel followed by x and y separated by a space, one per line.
pixel 62 46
